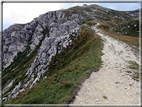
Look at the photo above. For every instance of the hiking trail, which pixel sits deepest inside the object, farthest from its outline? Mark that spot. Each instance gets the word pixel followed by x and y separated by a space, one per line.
pixel 111 84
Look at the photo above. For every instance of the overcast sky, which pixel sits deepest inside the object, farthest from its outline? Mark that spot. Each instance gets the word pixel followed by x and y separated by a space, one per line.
pixel 26 12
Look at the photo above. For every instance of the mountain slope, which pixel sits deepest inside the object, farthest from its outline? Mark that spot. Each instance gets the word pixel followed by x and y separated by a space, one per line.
pixel 114 83
pixel 35 51
pixel 65 75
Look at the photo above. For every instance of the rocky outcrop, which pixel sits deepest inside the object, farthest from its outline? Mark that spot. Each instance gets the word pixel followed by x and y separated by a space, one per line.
pixel 60 38
pixel 133 13
pixel 17 38
pixel 49 34
pixel 10 43
pixel 58 34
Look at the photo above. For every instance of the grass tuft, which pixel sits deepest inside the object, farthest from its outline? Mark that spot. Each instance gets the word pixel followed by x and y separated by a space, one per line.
pixel 128 71
pixel 104 97
pixel 133 65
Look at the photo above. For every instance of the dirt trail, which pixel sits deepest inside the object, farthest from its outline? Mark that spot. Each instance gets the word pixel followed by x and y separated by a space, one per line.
pixel 111 84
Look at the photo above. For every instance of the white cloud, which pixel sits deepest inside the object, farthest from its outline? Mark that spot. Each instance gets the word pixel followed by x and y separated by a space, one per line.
pixel 25 12
pixel 111 7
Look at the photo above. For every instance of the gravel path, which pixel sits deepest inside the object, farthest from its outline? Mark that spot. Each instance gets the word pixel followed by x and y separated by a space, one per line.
pixel 111 84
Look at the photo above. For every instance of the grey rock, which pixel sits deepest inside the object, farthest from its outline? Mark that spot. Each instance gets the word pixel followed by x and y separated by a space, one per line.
pixel 84 5
pixel 43 55
pixel 63 30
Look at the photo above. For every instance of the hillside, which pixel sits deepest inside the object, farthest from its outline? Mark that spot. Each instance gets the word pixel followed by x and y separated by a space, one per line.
pixel 117 81
pixel 46 60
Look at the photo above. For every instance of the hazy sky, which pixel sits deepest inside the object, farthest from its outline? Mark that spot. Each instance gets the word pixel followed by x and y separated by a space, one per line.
pixel 26 12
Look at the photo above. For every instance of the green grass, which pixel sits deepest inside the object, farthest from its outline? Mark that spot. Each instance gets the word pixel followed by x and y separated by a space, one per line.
pixel 81 11
pixel 130 28
pixel 19 67
pixel 103 17
pixel 106 28
pixel 132 39
pixel 104 97
pixel 133 65
pixel 90 23
pixel 71 68
pixel 136 75
pixel 87 13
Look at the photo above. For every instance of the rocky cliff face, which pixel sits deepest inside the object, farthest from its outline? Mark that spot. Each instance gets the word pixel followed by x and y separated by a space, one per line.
pixel 44 37
pixel 11 44
pixel 57 35
pixel 17 37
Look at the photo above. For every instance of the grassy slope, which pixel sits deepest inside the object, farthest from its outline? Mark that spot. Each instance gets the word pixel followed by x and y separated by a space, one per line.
pixel 130 28
pixel 71 67
pixel 133 38
pixel 120 29
pixel 67 74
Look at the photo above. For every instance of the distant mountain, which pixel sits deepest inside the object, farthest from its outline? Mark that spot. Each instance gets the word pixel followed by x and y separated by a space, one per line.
pixel 29 49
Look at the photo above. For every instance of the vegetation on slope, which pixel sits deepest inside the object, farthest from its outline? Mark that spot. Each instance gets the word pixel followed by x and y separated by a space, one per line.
pixel 125 31
pixel 130 28
pixel 66 72
pixel 69 68
pixel 17 69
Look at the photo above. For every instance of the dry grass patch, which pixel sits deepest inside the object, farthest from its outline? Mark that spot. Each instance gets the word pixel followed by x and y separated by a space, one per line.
pixel 128 71
pixel 125 38
pixel 135 76
pixel 133 65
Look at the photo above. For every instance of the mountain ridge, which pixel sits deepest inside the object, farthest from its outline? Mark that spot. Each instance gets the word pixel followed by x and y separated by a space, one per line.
pixel 37 42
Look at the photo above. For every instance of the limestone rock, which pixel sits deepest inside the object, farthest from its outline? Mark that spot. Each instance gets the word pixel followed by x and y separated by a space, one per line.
pixel 49 34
